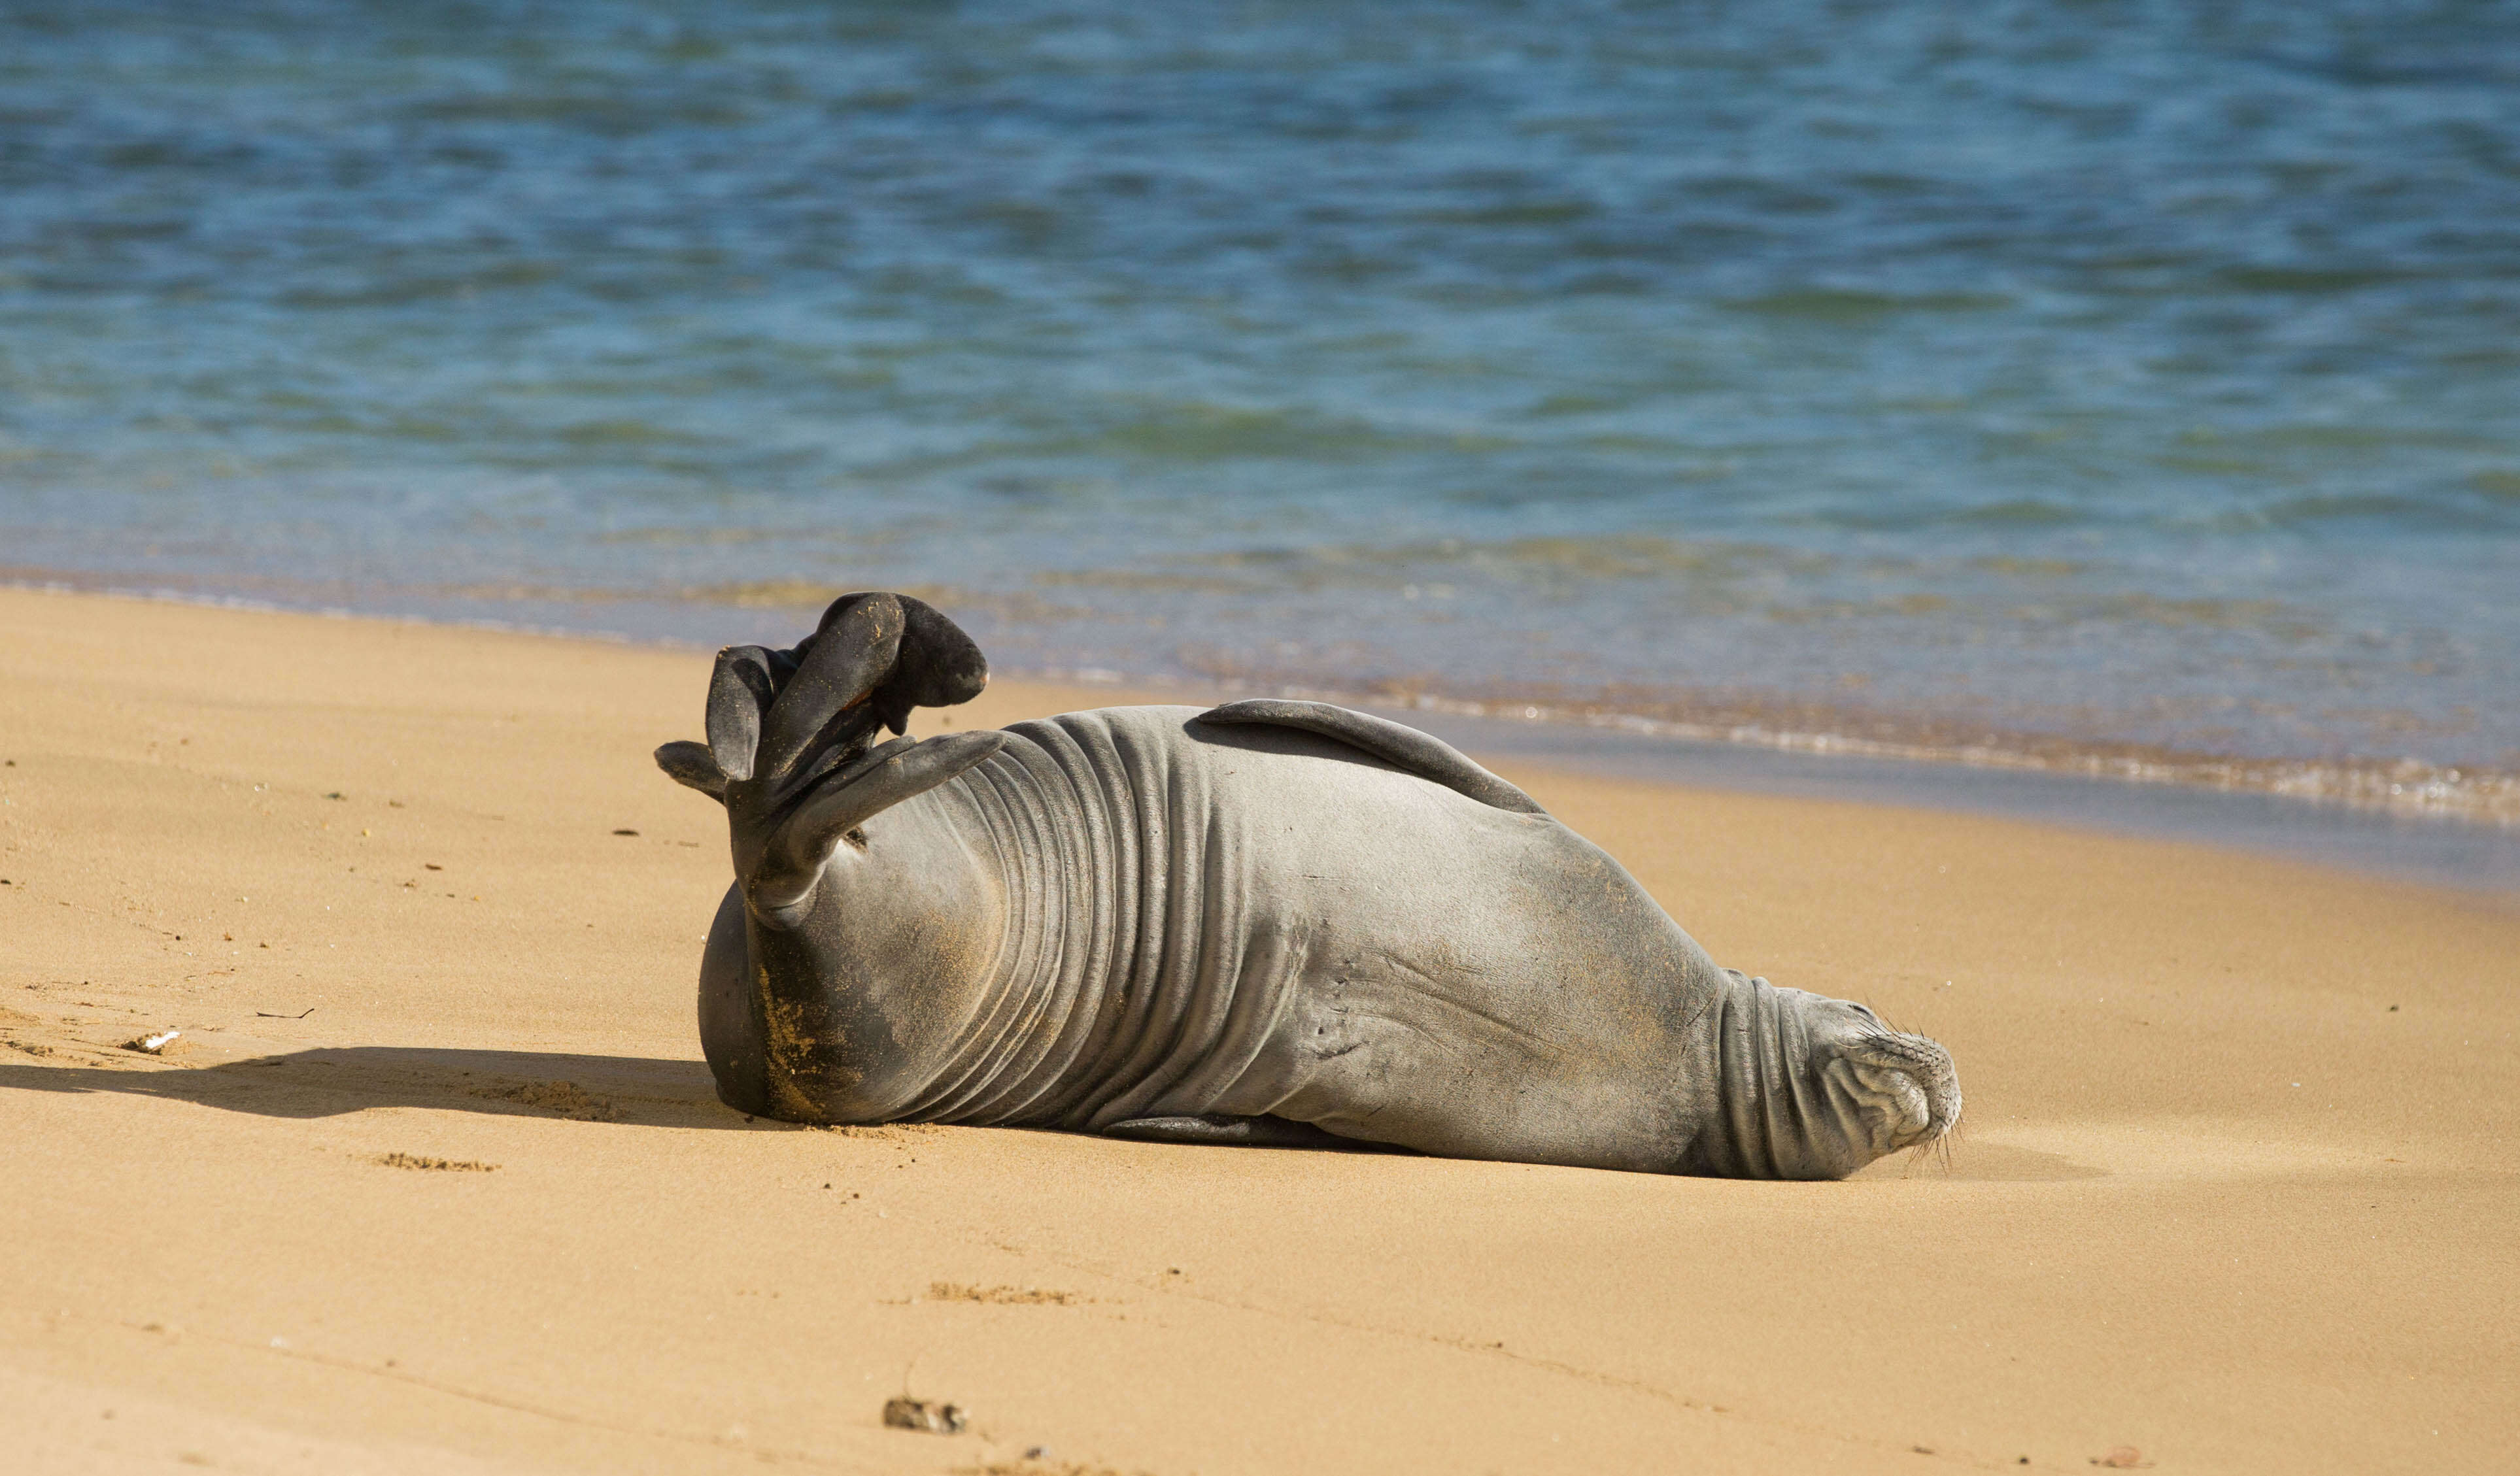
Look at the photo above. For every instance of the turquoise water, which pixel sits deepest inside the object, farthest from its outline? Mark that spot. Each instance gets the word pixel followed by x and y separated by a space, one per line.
pixel 2093 386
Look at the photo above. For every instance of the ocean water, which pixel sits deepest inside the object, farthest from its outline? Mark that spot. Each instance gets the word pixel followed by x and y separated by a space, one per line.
pixel 2111 388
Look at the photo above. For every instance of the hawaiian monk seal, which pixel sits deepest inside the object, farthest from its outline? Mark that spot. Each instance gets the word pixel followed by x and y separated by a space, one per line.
pixel 1272 922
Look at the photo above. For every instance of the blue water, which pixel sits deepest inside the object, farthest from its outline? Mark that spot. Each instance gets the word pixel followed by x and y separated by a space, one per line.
pixel 2063 383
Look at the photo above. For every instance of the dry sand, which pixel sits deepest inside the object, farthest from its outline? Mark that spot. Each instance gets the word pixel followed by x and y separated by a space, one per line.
pixel 2236 1186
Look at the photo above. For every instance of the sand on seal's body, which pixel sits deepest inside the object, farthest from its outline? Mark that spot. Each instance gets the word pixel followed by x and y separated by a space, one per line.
pixel 2148 1235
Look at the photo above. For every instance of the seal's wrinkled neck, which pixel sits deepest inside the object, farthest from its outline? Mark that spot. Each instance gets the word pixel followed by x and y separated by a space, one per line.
pixel 1761 1102
pixel 1813 1088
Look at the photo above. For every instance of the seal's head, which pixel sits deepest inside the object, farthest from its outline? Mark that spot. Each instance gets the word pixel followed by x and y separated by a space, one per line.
pixel 1816 1087
pixel 1885 1090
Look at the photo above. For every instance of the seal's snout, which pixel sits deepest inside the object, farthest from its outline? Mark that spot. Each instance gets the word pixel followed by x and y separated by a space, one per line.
pixel 1909 1086
pixel 1889 1090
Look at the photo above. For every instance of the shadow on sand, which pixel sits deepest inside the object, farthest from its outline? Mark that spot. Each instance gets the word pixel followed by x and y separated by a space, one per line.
pixel 327 1083
pixel 615 1089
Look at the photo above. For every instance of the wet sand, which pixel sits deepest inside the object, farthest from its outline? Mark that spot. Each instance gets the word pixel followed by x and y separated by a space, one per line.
pixel 434 1181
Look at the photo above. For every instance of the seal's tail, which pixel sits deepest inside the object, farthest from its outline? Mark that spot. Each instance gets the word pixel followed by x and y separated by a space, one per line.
pixel 789 733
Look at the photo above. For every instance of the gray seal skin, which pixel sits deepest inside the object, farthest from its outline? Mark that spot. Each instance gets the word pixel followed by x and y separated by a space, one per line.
pixel 1268 923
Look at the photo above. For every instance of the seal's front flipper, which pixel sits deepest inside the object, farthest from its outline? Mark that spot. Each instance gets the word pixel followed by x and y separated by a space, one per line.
pixel 1401 746
pixel 1240 1132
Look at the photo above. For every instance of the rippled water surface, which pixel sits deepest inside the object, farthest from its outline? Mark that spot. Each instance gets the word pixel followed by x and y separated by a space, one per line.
pixel 2097 383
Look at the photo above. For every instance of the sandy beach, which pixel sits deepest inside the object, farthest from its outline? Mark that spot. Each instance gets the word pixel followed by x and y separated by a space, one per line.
pixel 433 1179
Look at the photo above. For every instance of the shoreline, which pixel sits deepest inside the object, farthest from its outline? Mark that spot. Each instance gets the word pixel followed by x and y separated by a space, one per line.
pixel 2475 851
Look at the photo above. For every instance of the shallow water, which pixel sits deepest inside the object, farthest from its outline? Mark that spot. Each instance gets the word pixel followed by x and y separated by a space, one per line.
pixel 2481 860
pixel 2111 388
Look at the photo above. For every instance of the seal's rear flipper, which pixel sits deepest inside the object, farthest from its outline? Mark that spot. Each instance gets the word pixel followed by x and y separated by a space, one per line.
pixel 789 735
pixel 1402 747
pixel 786 718
pixel 687 763
pixel 858 793
pixel 873 659
pixel 1241 1132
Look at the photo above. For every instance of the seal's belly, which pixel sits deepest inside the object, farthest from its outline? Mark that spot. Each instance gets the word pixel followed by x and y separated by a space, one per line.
pixel 1142 917
pixel 1473 982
